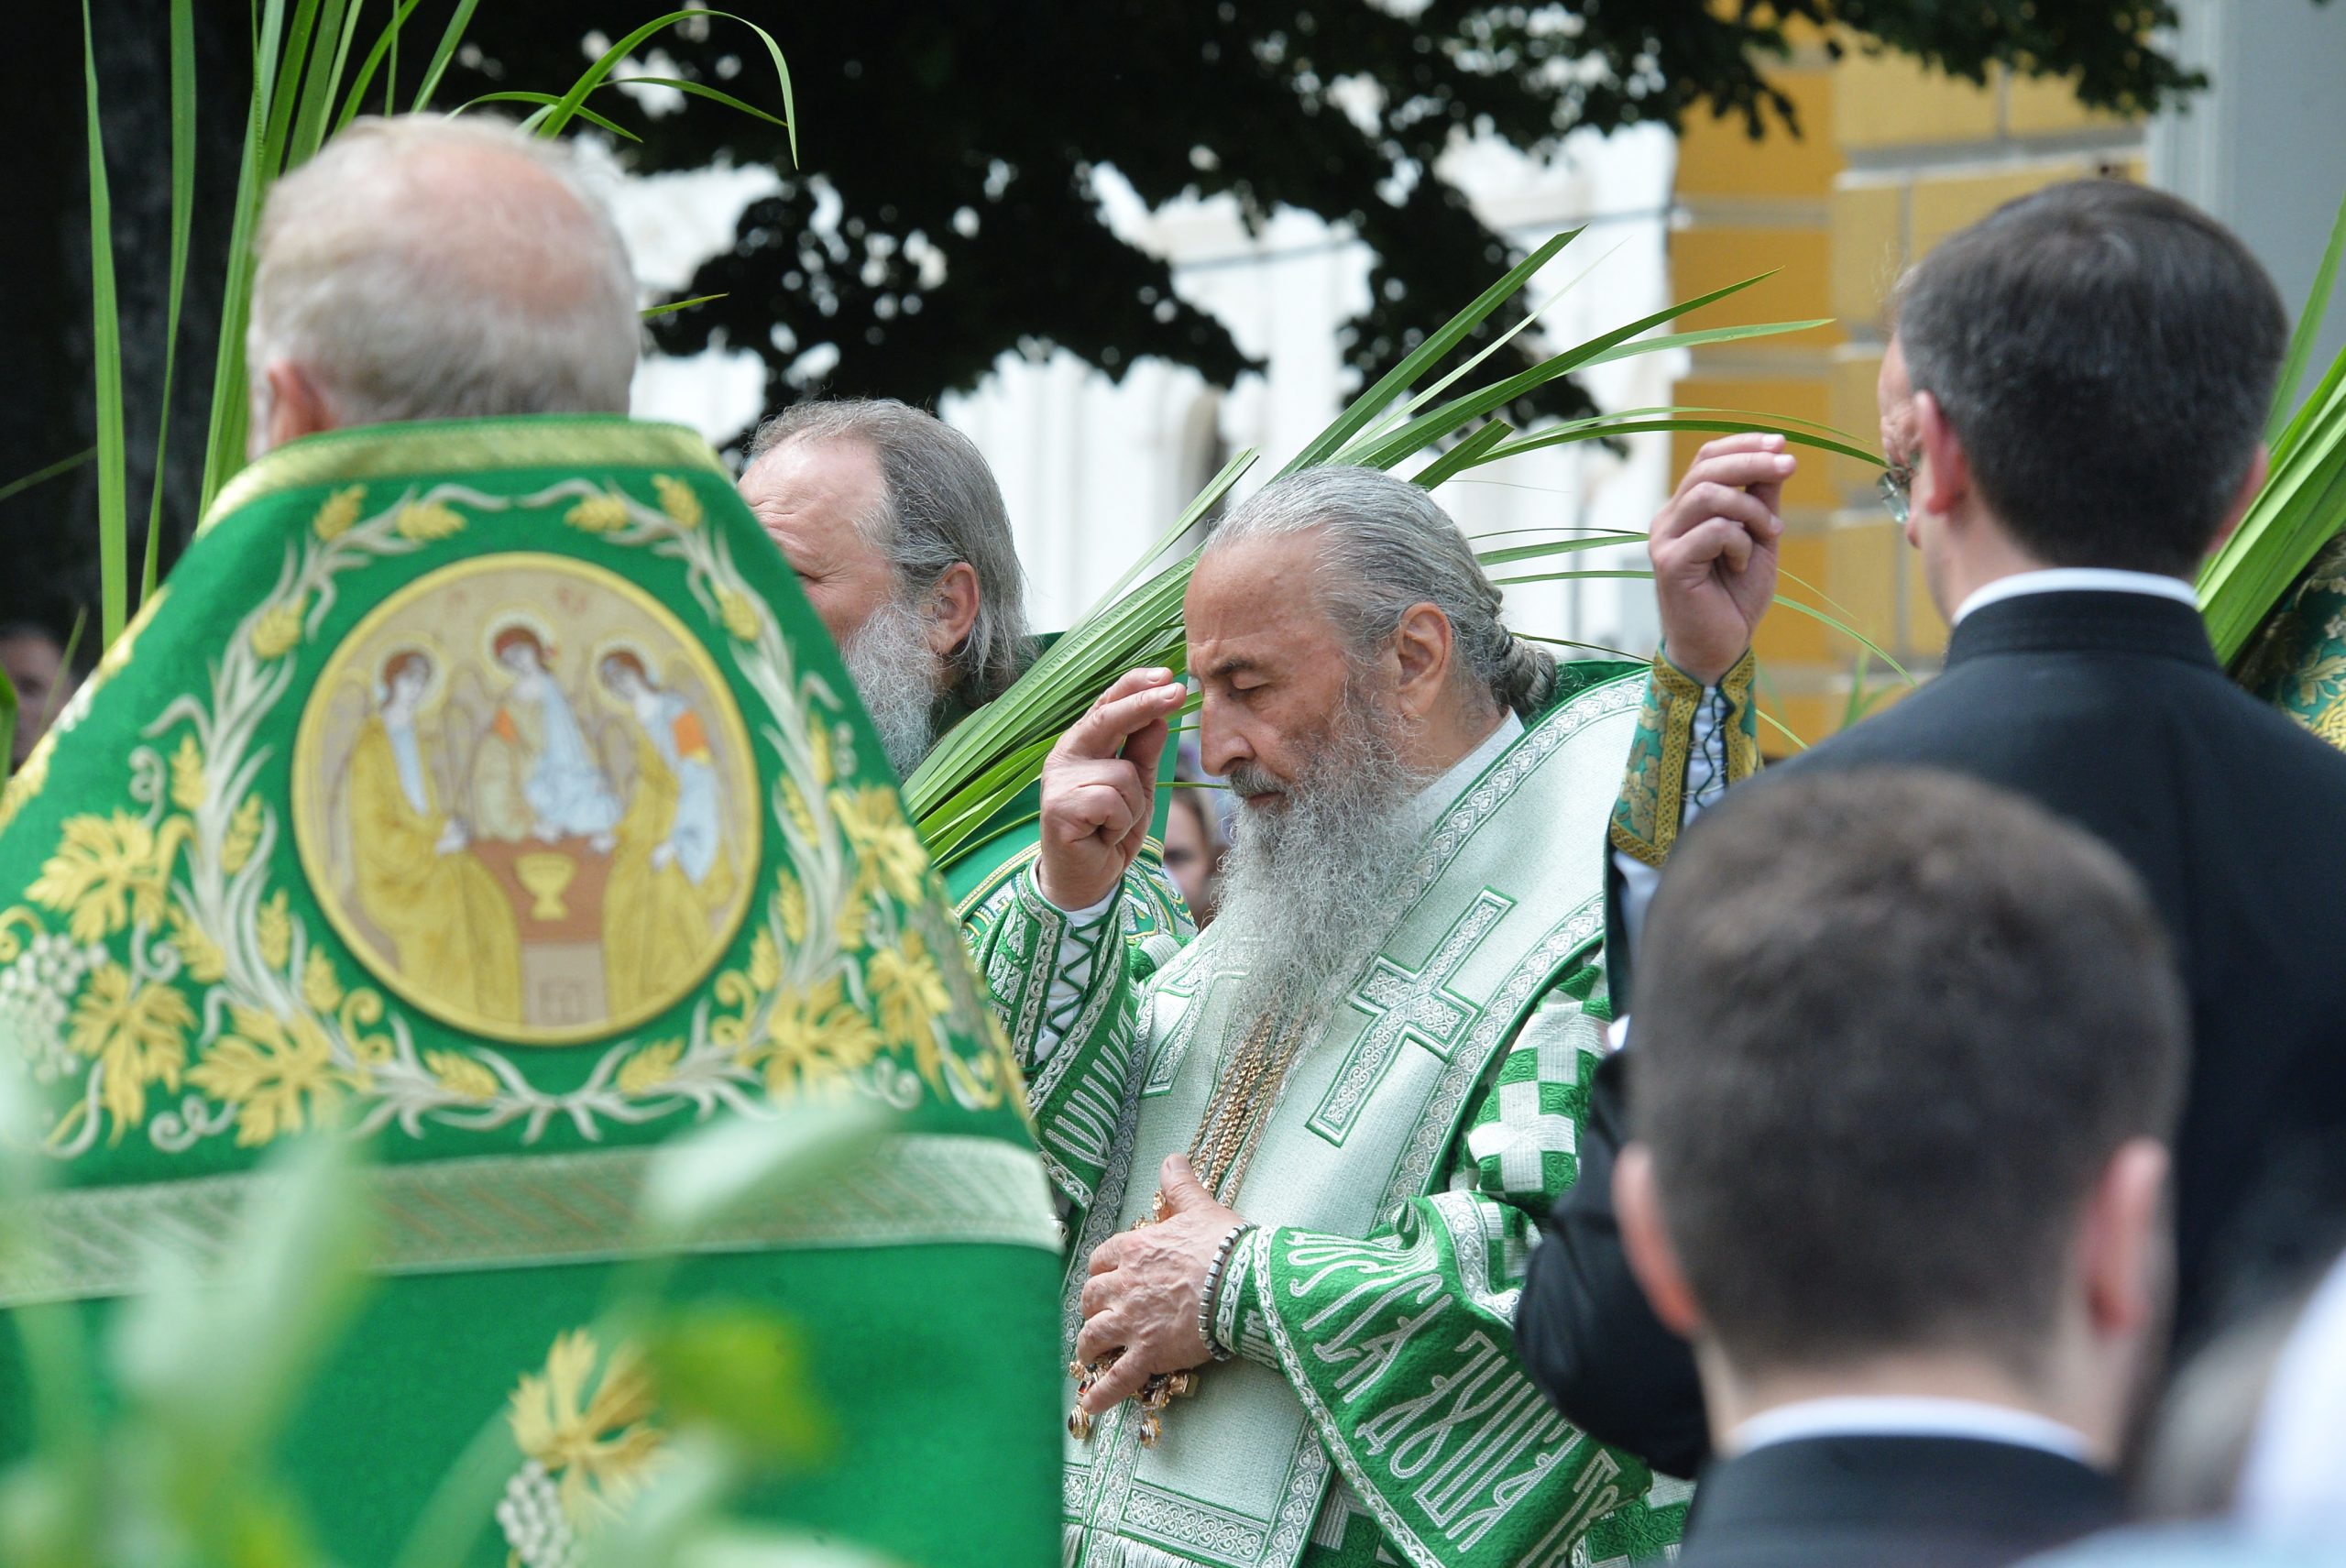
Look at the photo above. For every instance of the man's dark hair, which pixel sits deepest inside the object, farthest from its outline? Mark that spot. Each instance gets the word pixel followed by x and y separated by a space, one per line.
pixel 1890 1028
pixel 2108 355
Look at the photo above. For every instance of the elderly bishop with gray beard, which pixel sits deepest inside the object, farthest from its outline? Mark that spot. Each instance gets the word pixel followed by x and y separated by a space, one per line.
pixel 1298 1242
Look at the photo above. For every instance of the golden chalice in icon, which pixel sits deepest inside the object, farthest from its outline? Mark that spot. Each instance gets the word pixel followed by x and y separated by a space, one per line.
pixel 545 875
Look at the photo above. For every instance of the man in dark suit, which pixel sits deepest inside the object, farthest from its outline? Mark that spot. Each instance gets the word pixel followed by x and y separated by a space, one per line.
pixel 1908 1052
pixel 2072 410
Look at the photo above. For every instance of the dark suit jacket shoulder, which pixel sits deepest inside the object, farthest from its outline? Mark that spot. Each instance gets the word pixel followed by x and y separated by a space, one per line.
pixel 1916 1502
pixel 2109 709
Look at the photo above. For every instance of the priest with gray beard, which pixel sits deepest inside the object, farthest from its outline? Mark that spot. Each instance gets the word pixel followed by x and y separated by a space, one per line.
pixel 898 533
pixel 1341 1110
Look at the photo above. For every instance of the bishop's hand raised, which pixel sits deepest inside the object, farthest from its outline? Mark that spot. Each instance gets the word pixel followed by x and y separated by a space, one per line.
pixel 1100 787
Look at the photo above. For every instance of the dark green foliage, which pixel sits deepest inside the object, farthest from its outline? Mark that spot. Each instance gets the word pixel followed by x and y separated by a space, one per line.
pixel 978 127
pixel 908 108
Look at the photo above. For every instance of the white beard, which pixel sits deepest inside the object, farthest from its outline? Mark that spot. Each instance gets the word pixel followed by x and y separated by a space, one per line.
pixel 893 668
pixel 1305 887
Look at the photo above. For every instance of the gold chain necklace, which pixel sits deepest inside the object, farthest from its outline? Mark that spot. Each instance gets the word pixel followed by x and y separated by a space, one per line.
pixel 1220 1153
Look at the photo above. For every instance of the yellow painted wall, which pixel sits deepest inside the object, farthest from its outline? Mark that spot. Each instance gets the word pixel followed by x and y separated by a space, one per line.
pixel 1894 159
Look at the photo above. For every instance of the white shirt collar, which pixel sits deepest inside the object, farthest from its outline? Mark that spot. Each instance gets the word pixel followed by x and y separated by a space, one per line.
pixel 1903 1416
pixel 2078 580
pixel 1431 801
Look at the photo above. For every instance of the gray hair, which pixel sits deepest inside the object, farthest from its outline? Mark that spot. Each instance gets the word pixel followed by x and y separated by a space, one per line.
pixel 1387 546
pixel 939 506
pixel 425 267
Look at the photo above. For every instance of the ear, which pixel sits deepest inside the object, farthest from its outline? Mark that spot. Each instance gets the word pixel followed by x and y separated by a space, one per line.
pixel 1422 648
pixel 1943 477
pixel 1643 1236
pixel 2258 468
pixel 952 608
pixel 295 407
pixel 2124 1249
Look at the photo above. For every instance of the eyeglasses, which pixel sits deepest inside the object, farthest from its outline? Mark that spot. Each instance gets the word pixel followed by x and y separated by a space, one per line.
pixel 1893 487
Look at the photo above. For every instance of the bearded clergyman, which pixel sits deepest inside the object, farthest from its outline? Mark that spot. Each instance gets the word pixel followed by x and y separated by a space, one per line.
pixel 1296 1254
pixel 899 536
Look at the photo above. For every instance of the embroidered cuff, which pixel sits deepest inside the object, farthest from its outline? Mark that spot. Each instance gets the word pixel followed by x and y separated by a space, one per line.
pixel 1230 1294
pixel 1031 886
pixel 1742 727
pixel 1653 801
pixel 1239 1314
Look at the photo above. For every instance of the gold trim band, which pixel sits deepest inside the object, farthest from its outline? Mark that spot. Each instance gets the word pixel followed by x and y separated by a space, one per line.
pixel 535 1212
pixel 448 447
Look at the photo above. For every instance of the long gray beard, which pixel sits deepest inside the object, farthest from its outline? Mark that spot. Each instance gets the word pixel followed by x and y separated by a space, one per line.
pixel 1306 889
pixel 890 661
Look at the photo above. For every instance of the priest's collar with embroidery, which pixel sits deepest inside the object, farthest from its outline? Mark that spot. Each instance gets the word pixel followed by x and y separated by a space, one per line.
pixel 1431 802
pixel 449 447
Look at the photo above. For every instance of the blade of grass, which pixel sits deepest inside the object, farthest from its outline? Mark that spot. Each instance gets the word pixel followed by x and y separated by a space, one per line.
pixel 1698 339
pixel 1438 421
pixel 1464 455
pixel 322 84
pixel 183 226
pixel 569 105
pixel 386 53
pixel 2301 340
pixel 285 100
pixel 65 662
pixel 42 476
pixel 1365 406
pixel 649 311
pixel 230 404
pixel 452 35
pixel 1417 401
pixel 106 344
pixel 546 102
pixel 701 90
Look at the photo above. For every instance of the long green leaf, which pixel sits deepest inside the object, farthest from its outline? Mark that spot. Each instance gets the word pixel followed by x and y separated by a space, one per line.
pixel 386 49
pixel 231 401
pixel 2308 330
pixel 1699 339
pixel 1439 422
pixel 1397 380
pixel 546 102
pixel 649 311
pixel 1604 426
pixel 105 329
pixel 182 228
pixel 322 84
pixel 1464 455
pixel 285 100
pixel 570 104
pixel 699 90
pixel 42 476
pixel 452 35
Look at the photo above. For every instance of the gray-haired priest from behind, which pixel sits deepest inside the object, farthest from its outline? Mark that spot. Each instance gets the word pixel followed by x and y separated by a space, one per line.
pixel 1297 1251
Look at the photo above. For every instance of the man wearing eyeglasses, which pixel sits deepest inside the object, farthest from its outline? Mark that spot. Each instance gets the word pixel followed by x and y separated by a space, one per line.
pixel 2071 411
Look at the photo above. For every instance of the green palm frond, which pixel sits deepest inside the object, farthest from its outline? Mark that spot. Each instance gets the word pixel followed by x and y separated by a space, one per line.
pixel 997 752
pixel 2304 499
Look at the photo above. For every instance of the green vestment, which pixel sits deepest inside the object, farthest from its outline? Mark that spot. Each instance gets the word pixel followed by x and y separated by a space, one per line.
pixel 490 786
pixel 1428 1124
pixel 2297 660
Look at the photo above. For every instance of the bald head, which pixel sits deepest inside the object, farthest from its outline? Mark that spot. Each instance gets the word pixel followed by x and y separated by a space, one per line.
pixel 424 268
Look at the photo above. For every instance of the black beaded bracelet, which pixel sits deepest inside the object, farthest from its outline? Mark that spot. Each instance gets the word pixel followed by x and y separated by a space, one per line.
pixel 1214 1288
